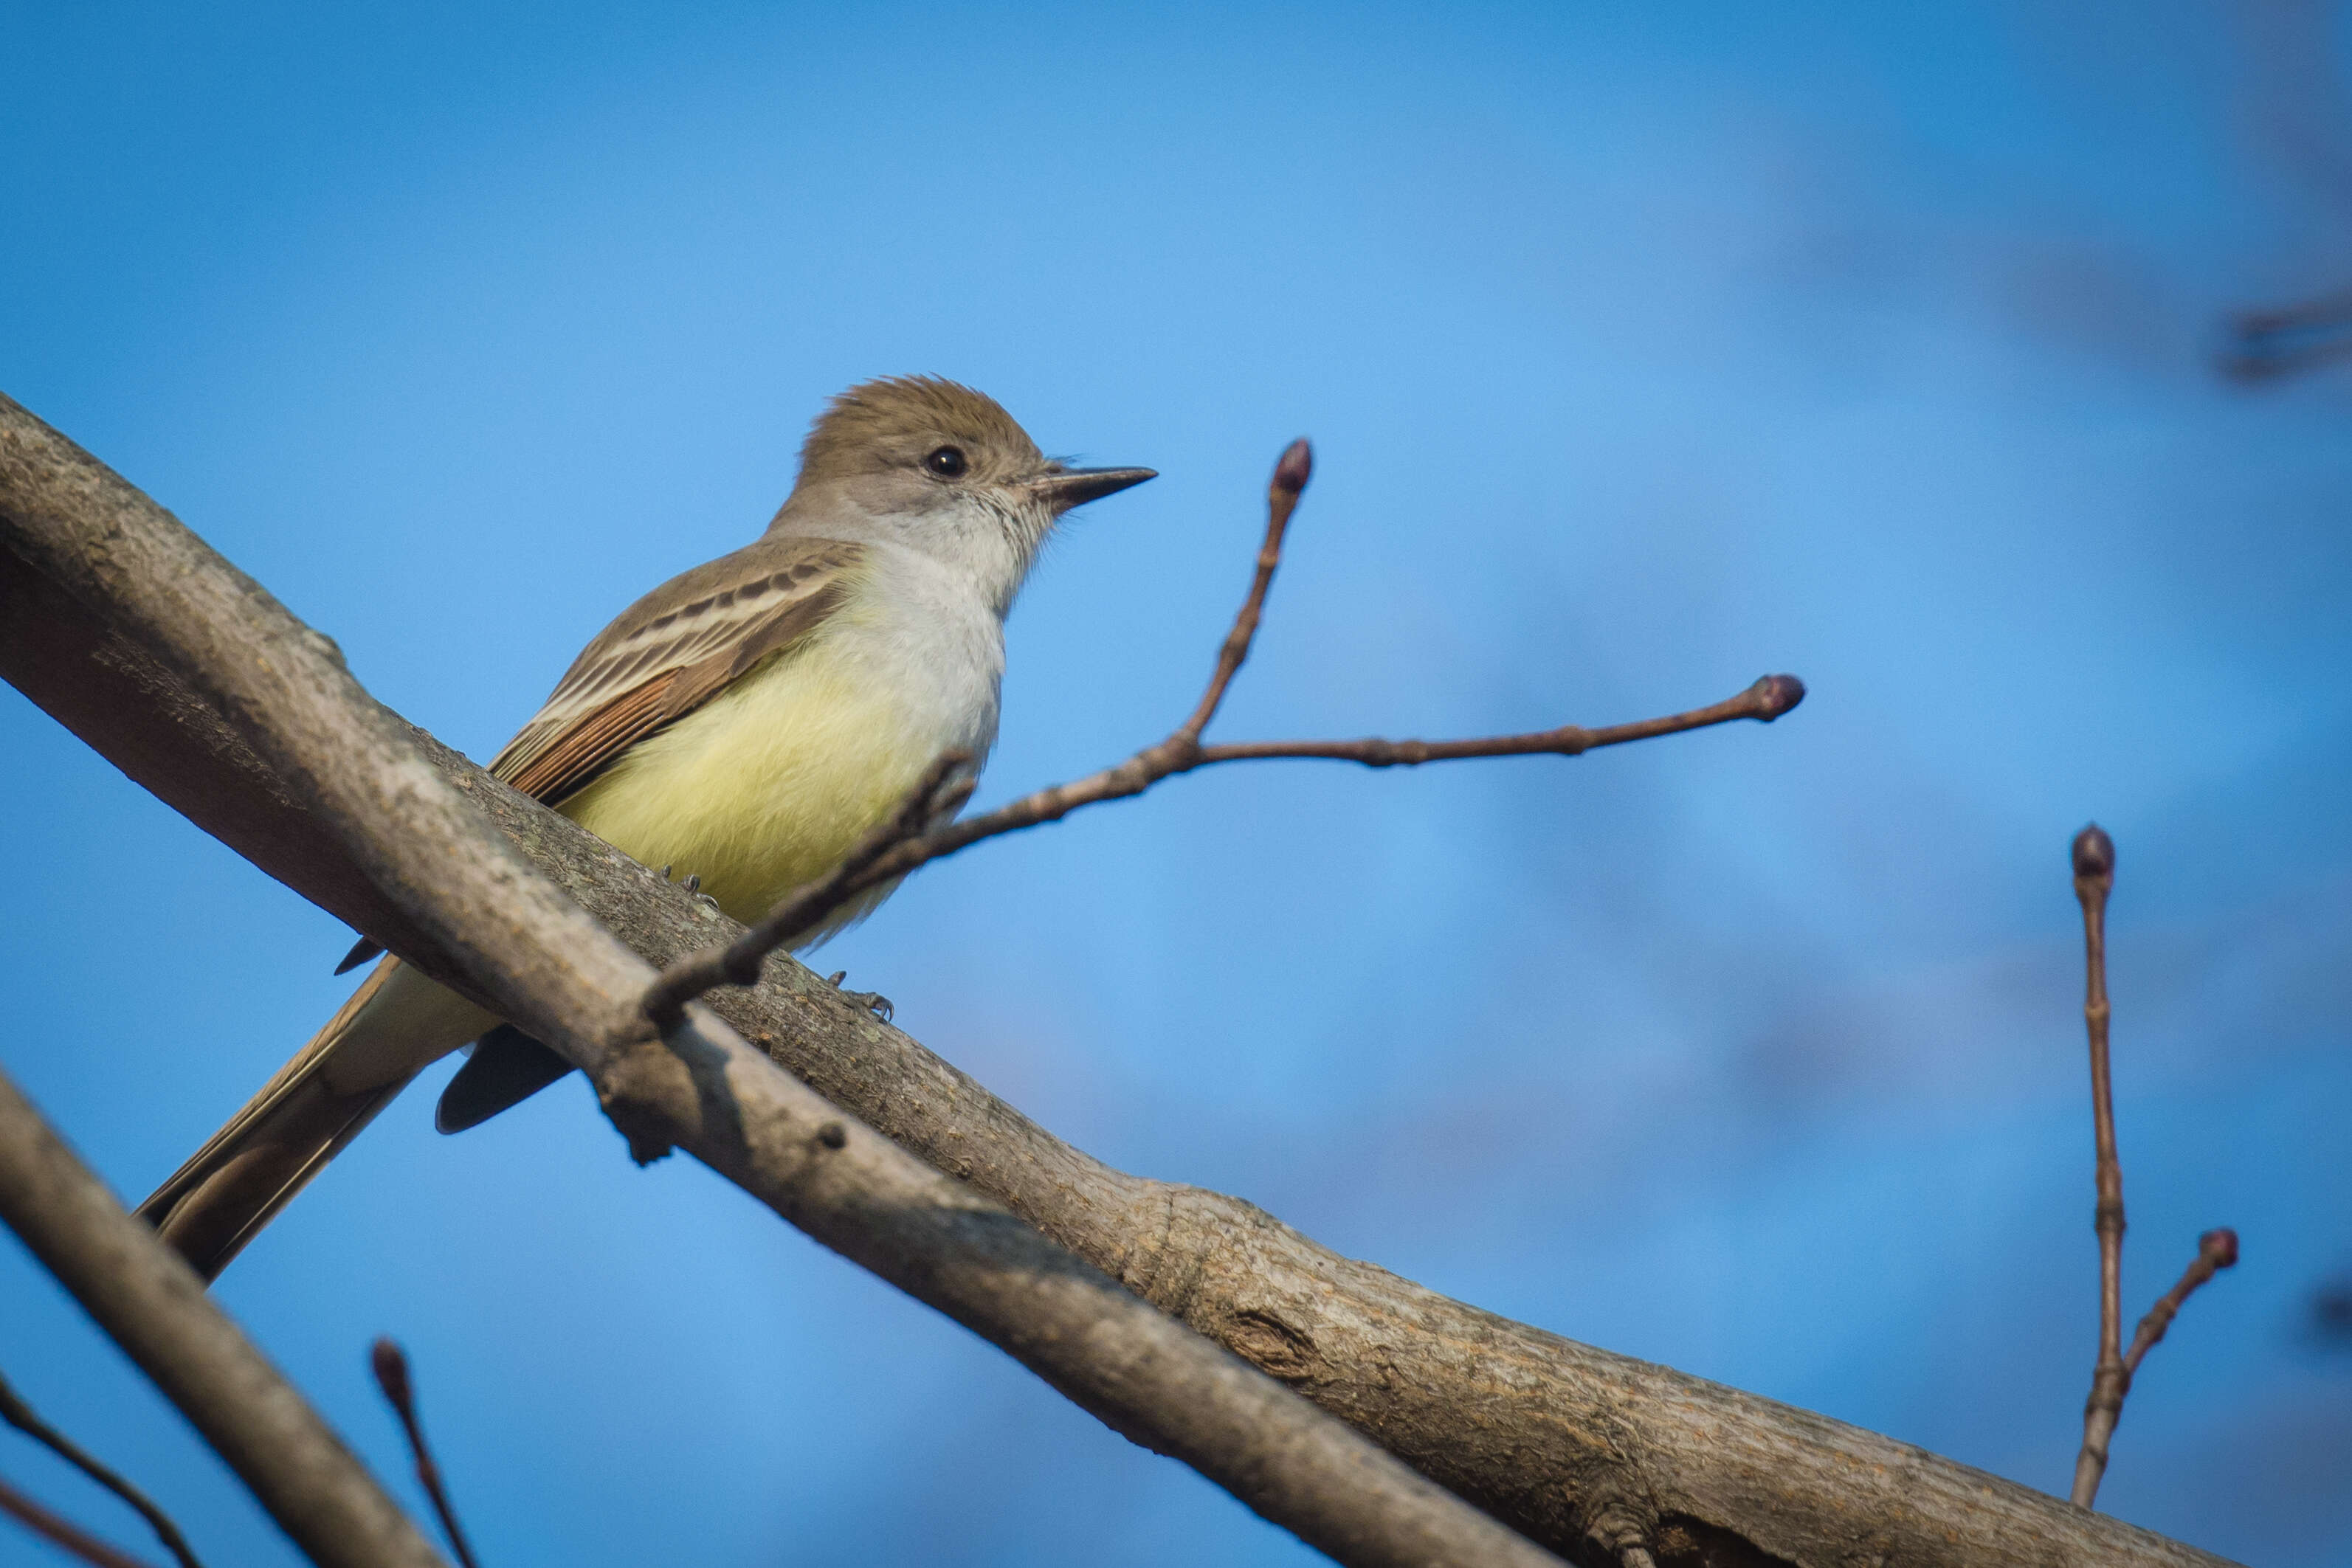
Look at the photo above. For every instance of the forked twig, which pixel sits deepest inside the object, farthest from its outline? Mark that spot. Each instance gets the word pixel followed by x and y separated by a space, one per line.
pixel 21 1416
pixel 2111 1377
pixel 391 1368
pixel 63 1533
pixel 2216 1250
pixel 902 846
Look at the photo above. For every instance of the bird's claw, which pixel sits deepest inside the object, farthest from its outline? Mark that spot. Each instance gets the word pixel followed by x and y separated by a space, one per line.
pixel 874 1002
pixel 693 886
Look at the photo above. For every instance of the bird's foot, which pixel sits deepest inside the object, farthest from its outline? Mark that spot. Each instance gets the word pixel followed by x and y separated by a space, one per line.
pixel 874 1002
pixel 693 884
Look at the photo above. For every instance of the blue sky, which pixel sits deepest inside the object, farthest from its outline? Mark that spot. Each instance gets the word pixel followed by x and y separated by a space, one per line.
pixel 1646 349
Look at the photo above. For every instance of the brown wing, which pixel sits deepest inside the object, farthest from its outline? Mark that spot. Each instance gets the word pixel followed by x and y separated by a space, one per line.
pixel 672 652
pixel 665 657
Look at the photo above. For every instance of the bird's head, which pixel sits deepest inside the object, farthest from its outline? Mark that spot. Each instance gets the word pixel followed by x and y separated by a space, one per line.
pixel 931 464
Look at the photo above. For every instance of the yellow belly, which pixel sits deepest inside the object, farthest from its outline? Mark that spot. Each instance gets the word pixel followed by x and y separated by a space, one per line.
pixel 765 787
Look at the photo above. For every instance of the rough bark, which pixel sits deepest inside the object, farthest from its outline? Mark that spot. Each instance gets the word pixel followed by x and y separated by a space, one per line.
pixel 486 919
pixel 1585 1451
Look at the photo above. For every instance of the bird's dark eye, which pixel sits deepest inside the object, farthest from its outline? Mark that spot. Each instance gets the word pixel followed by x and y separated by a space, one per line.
pixel 947 462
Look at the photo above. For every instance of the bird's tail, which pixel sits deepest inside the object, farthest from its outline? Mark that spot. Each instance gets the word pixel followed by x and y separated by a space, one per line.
pixel 393 1025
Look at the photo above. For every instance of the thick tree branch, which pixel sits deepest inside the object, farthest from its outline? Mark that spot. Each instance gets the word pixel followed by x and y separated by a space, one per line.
pixel 489 923
pixel 1577 1447
pixel 152 1305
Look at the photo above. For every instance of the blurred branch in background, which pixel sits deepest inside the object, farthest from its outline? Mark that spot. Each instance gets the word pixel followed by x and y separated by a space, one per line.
pixel 21 1416
pixel 1594 1454
pixel 63 1533
pixel 2328 1314
pixel 2299 114
pixel 150 1303
pixel 2111 1377
pixel 2264 345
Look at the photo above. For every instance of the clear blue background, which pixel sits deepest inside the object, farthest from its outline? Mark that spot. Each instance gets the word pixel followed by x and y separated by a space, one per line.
pixel 1646 348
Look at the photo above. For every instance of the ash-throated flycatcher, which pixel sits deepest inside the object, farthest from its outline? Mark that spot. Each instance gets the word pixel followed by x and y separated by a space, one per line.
pixel 748 722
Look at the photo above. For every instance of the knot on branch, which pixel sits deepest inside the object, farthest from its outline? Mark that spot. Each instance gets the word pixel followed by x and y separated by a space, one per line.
pixel 2110 1381
pixel 1179 753
pixel 635 1091
pixel 1274 1344
pixel 1408 753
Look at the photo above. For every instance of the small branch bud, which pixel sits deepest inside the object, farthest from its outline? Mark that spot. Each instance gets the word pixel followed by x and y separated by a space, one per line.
pixel 1296 467
pixel 2218 1248
pixel 1776 695
pixel 2094 855
pixel 390 1370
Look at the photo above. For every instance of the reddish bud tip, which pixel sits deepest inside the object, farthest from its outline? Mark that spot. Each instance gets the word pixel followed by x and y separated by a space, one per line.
pixel 1776 695
pixel 2220 1248
pixel 1297 465
pixel 2095 853
pixel 391 1371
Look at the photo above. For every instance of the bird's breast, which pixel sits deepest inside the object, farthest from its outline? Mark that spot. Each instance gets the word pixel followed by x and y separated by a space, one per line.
pixel 771 782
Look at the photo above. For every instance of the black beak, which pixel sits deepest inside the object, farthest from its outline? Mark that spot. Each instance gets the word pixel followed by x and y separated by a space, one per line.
pixel 1063 488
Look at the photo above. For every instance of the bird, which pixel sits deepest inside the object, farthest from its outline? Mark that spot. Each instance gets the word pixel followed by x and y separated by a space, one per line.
pixel 747 723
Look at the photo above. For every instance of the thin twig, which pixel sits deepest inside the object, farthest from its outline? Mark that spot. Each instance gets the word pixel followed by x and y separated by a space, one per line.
pixel 61 1531
pixel 392 1375
pixel 891 852
pixel 2094 877
pixel 1291 472
pixel 2111 1378
pixel 21 1416
pixel 2216 1250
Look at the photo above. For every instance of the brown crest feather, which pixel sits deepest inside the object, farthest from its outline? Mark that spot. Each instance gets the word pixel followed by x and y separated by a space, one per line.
pixel 892 422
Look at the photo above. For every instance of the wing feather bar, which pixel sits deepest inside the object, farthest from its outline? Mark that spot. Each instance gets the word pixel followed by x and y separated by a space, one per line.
pixel 637 680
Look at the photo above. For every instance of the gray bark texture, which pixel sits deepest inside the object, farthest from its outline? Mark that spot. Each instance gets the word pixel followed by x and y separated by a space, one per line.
pixel 1602 1458
pixel 485 919
pixel 153 1306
